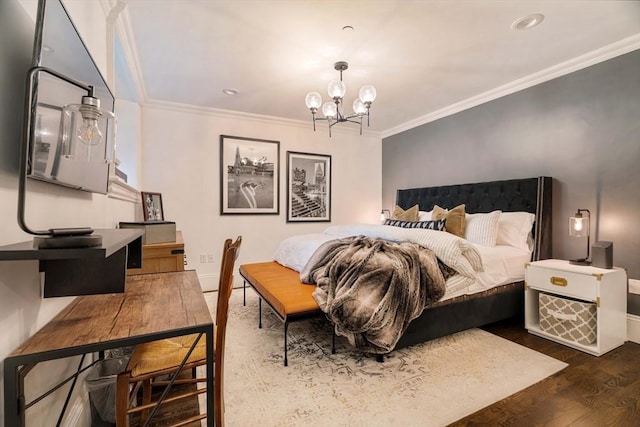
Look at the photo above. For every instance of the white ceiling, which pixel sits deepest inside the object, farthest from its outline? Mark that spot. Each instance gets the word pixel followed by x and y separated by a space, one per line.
pixel 424 57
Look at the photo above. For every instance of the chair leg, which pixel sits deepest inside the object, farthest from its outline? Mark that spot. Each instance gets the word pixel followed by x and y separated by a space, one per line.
pixel 260 313
pixel 218 411
pixel 146 399
pixel 122 400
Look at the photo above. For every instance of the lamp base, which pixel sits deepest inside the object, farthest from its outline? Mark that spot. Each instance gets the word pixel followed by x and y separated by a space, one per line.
pixel 65 242
pixel 581 261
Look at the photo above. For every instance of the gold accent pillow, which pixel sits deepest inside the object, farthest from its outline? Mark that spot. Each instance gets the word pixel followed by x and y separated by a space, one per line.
pixel 455 219
pixel 410 214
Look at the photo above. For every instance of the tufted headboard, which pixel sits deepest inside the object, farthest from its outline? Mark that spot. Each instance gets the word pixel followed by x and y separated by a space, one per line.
pixel 526 195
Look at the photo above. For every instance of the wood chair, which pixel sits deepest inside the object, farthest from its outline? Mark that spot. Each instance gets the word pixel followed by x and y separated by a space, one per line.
pixel 152 362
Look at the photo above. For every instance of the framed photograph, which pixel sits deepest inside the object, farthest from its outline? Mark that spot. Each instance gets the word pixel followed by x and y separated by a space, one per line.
pixel 249 176
pixel 308 187
pixel 152 206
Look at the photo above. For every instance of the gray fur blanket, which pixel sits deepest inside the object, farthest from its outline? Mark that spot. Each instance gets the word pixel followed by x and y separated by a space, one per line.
pixel 371 288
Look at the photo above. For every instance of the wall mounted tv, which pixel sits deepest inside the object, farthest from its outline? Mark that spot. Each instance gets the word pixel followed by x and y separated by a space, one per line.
pixel 50 157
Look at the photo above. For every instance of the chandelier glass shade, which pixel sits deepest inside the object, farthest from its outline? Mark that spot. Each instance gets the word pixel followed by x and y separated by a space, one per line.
pixel 333 110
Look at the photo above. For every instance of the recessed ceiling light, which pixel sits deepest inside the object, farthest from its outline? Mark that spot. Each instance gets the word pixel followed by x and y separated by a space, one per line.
pixel 527 22
pixel 230 92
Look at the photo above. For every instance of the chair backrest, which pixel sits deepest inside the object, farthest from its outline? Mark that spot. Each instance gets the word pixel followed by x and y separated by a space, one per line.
pixel 229 256
pixel 230 253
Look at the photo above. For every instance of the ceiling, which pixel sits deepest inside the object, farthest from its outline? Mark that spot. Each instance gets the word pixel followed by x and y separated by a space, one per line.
pixel 425 58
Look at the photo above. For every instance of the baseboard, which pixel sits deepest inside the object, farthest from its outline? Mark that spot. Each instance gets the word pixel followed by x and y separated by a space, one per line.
pixel 209 282
pixel 633 328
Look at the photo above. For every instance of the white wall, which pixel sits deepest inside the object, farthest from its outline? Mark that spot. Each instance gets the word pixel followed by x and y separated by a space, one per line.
pixel 22 310
pixel 180 160
pixel 128 136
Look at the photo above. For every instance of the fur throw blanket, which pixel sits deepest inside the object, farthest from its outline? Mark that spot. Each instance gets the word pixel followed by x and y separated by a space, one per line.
pixel 371 289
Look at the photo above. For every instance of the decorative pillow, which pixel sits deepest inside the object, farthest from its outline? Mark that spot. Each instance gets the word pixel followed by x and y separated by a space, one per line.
pixel 424 216
pixel 455 219
pixel 428 225
pixel 482 228
pixel 514 229
pixel 410 214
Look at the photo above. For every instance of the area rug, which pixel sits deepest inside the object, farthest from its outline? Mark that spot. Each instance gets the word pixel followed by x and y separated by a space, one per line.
pixel 431 384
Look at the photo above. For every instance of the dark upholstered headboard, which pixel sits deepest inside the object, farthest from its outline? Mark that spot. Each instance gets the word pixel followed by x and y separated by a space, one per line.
pixel 515 195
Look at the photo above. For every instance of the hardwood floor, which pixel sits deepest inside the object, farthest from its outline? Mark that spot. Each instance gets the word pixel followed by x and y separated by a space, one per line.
pixel 591 391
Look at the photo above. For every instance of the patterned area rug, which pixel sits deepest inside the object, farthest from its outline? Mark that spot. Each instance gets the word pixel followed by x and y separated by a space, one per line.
pixel 431 384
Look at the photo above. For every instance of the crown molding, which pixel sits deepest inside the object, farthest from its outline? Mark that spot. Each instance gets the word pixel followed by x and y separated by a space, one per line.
pixel 594 57
pixel 258 118
pixel 117 12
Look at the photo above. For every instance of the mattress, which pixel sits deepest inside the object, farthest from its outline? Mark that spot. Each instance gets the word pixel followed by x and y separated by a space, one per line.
pixel 501 264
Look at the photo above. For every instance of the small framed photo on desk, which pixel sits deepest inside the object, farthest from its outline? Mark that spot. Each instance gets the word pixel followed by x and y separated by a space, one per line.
pixel 152 206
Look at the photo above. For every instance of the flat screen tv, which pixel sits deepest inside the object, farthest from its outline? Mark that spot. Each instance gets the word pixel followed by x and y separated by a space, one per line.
pixel 59 47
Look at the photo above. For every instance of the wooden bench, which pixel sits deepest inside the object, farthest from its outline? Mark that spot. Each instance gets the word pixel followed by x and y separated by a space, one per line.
pixel 281 288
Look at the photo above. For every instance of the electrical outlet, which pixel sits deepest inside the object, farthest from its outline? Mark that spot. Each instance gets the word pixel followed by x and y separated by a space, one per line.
pixel 209 257
pixel 203 258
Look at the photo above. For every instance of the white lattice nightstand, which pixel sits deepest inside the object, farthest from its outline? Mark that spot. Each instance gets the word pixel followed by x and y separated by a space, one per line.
pixel 561 299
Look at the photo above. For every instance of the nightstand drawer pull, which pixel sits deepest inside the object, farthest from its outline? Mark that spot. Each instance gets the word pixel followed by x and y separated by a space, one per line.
pixel 558 281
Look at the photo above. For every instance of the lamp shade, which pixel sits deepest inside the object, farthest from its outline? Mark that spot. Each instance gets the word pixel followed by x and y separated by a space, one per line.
pixel 579 225
pixel 329 109
pixel 359 108
pixel 84 128
pixel 313 100
pixel 337 89
pixel 367 94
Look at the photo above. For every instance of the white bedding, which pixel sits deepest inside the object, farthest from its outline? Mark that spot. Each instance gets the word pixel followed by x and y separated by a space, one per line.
pixel 479 267
pixel 502 264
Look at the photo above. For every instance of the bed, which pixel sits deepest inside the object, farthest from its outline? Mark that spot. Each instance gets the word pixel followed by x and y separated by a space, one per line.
pixel 483 305
pixel 533 195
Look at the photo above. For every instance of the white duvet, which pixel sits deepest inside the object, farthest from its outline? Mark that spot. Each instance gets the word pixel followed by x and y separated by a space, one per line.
pixel 478 267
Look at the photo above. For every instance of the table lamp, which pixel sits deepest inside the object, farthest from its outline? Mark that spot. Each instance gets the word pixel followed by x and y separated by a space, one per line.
pixel 579 227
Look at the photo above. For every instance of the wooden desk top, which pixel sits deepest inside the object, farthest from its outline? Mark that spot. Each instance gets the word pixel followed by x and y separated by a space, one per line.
pixel 158 305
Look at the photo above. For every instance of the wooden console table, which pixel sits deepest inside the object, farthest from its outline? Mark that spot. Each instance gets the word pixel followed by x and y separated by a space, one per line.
pixel 153 306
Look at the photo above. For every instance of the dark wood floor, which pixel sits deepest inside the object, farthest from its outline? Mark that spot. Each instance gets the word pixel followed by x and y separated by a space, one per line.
pixel 591 391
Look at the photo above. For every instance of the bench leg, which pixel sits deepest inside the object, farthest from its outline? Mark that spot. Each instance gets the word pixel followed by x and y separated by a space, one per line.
pixel 260 313
pixel 244 292
pixel 286 327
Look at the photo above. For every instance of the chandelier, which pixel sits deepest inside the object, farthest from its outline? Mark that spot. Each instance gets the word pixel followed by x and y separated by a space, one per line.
pixel 333 110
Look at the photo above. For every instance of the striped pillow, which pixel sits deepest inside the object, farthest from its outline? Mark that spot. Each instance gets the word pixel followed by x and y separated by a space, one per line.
pixel 438 225
pixel 482 228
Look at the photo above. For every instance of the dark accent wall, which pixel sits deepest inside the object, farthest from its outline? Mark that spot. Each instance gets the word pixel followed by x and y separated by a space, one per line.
pixel 582 129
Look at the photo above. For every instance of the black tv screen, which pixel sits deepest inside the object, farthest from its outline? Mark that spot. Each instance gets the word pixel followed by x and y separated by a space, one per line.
pixel 59 47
